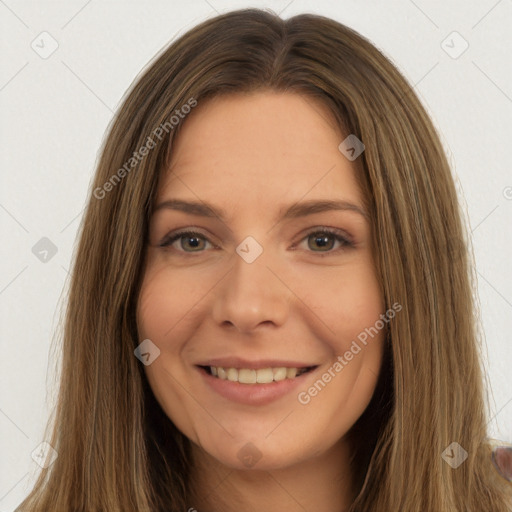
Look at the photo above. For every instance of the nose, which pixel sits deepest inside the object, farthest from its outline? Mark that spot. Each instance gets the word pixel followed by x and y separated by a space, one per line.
pixel 252 294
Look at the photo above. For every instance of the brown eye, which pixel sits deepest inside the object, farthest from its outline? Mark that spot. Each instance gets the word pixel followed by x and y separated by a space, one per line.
pixel 188 240
pixel 323 241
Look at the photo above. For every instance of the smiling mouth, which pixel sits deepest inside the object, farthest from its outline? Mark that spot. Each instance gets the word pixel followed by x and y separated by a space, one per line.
pixel 251 376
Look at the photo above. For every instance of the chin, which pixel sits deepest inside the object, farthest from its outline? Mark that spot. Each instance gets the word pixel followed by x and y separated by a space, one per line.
pixel 257 455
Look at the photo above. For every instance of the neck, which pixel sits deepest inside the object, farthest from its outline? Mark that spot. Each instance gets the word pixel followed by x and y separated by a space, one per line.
pixel 313 484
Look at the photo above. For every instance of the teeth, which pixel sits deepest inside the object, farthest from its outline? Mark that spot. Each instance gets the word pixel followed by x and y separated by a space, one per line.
pixel 279 374
pixel 232 374
pixel 291 373
pixel 247 376
pixel 261 376
pixel 264 376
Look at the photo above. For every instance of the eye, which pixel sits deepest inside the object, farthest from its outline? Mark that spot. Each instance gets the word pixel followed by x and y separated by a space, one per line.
pixel 188 239
pixel 322 238
pixel 325 239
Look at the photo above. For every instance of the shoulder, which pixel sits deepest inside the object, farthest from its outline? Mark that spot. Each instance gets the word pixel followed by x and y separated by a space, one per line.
pixel 502 460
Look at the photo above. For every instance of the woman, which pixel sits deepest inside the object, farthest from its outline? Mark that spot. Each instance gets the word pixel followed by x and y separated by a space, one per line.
pixel 271 303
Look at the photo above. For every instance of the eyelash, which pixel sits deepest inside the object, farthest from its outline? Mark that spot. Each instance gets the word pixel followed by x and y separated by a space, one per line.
pixel 345 242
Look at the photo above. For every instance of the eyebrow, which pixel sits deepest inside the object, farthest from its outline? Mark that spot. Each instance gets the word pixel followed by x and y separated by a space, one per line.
pixel 296 210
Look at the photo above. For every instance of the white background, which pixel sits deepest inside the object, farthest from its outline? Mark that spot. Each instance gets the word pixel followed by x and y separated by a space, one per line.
pixel 55 112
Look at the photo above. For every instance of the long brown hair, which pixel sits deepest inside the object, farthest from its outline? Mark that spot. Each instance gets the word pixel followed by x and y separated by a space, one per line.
pixel 117 450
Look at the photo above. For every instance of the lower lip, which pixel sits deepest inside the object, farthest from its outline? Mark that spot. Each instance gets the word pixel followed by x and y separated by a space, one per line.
pixel 253 394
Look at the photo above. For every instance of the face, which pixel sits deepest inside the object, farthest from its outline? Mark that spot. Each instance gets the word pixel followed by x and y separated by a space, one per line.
pixel 264 286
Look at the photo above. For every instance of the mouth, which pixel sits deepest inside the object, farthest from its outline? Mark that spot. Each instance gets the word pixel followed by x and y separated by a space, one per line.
pixel 254 383
pixel 256 376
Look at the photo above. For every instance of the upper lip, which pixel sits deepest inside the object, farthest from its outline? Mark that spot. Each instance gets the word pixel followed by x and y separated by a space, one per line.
pixel 236 362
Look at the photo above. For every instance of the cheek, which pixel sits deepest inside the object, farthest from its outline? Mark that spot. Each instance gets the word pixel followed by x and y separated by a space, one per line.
pixel 154 314
pixel 351 304
pixel 348 300
pixel 166 299
pixel 164 304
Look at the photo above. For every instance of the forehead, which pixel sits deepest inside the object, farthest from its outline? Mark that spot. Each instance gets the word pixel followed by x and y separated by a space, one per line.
pixel 259 147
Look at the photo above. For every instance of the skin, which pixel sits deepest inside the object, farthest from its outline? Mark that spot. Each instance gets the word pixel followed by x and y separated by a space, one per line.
pixel 252 155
